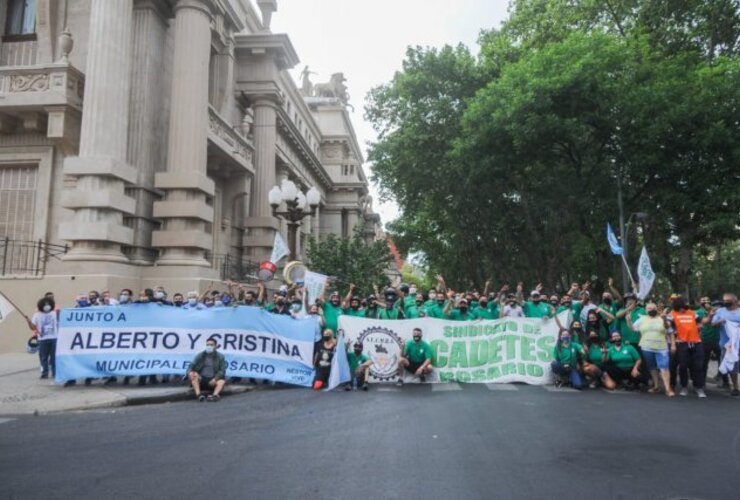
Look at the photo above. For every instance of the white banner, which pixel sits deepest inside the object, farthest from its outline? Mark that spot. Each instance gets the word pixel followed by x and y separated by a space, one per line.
pixel 645 275
pixel 314 284
pixel 499 351
pixel 279 248
pixel 5 307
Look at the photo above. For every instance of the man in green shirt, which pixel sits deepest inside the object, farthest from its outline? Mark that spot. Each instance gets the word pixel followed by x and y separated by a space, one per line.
pixel 392 307
pixel 416 358
pixel 372 310
pixel 461 313
pixel 709 333
pixel 332 311
pixel 535 307
pixel 487 308
pixel 354 308
pixel 359 367
pixel 629 336
pixel 415 309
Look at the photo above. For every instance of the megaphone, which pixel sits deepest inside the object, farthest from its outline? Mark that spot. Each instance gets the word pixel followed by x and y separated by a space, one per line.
pixel 267 271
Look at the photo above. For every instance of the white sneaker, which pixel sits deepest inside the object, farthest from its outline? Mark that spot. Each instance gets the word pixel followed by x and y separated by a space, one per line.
pixel 701 393
pixel 684 392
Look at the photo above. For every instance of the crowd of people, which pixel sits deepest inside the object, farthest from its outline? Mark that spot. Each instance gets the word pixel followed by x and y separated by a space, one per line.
pixel 611 341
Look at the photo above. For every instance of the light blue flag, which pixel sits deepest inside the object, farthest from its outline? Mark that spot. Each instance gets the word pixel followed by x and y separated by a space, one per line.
pixel 339 373
pixel 613 242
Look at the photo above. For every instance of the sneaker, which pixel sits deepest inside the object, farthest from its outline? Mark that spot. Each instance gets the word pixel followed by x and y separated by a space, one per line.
pixel 683 392
pixel 88 382
pixel 70 383
pixel 201 398
pixel 399 382
pixel 348 387
pixel 735 392
pixel 422 379
pixel 214 398
pixel 44 375
pixel 701 393
pixel 365 387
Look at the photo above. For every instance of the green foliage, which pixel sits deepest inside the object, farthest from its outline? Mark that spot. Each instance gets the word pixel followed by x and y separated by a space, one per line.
pixel 507 166
pixel 351 261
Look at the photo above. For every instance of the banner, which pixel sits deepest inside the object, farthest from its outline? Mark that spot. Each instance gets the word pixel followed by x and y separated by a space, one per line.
pixel 614 245
pixel 499 351
pixel 5 308
pixel 279 248
pixel 146 339
pixel 645 275
pixel 314 284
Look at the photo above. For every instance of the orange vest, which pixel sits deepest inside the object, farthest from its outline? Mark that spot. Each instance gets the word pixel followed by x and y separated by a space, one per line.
pixel 686 328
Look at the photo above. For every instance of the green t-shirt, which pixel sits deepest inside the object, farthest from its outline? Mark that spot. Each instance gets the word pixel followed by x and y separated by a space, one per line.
pixel 536 310
pixel 392 313
pixel 417 352
pixel 623 357
pixel 457 315
pixel 355 361
pixel 594 355
pixel 435 311
pixel 270 307
pixel 575 307
pixel 486 313
pixel 567 355
pixel 409 301
pixel 628 334
pixel 357 313
pixel 412 311
pixel 331 316
pixel 372 313
pixel 708 332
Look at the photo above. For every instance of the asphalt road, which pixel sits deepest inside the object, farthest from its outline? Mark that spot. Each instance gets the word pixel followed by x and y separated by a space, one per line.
pixel 413 442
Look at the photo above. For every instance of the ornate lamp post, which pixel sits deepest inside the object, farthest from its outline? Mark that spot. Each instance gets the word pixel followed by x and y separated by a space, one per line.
pixel 298 206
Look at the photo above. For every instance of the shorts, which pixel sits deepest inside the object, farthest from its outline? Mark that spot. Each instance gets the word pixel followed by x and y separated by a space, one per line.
pixel 656 360
pixel 412 367
pixel 734 367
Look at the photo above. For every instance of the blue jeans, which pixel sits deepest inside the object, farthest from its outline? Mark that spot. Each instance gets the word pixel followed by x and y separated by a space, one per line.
pixel 575 378
pixel 47 356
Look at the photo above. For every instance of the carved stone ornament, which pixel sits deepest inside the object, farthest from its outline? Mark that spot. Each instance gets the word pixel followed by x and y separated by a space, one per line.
pixel 29 83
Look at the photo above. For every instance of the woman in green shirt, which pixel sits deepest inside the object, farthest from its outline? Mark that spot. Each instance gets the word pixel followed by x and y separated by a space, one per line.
pixel 593 364
pixel 567 360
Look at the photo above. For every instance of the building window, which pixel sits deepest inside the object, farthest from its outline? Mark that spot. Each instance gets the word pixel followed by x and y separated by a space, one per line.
pixel 17 202
pixel 21 17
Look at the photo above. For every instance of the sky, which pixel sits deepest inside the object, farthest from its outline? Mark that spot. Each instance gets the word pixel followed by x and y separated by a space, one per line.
pixel 367 40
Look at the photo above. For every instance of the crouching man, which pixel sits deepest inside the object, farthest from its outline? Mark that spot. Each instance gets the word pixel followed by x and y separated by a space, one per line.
pixel 208 372
pixel 416 358
pixel 359 366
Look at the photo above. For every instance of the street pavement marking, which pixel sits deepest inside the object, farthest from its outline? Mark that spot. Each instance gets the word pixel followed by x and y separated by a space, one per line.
pixel 552 388
pixel 386 388
pixel 6 420
pixel 502 387
pixel 446 387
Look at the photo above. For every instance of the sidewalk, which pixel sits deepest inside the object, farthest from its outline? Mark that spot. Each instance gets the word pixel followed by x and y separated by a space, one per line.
pixel 22 392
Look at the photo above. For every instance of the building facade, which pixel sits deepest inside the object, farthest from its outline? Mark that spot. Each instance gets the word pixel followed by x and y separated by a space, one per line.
pixel 139 140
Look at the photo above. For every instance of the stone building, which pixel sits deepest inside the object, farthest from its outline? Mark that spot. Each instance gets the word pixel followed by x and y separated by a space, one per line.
pixel 139 140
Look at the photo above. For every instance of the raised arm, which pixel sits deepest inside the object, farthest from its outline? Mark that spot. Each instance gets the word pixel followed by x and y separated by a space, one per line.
pixel 348 297
pixel 615 293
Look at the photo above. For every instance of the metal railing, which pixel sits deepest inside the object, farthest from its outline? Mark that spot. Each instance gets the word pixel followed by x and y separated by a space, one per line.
pixel 235 268
pixel 27 258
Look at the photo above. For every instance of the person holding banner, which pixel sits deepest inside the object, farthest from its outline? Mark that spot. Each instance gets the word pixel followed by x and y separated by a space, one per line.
pixel 45 324
pixel 208 371
pixel 653 342
pixel 730 312
pixel 324 352
pixel 416 358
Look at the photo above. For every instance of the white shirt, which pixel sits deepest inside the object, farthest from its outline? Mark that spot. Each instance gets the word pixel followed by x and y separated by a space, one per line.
pixel 513 311
pixel 46 324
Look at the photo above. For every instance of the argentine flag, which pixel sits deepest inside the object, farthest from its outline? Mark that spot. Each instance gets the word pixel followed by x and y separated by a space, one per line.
pixel 613 242
pixel 339 373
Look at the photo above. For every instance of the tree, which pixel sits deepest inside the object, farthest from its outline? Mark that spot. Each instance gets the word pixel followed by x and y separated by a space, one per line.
pixel 351 260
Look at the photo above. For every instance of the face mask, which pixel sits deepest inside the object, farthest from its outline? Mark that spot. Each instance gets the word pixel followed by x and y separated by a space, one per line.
pixel 327 337
pixel 417 338
pixel 355 306
pixel 536 300
pixel 593 321
pixel 616 341
pixel 652 313
pixel 565 339
pixel 727 304
pixel 594 340
pixel 123 299
pixel 412 290
pixel 483 304
pixel 159 295
pixel 441 302
pixel 83 303
pixel 210 349
pixel 577 329
pixel 419 302
pixel 192 302
pixel 567 304
pixel 218 303
pixel 209 303
pixel 226 301
pixel 178 303
pixel 358 352
pixel 47 308
pixel 608 302
pixel 554 302
pixel 432 296
pixel 463 310
pixel 295 307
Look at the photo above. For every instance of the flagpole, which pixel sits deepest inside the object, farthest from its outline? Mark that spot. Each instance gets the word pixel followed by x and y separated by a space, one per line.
pixel 632 279
pixel 15 306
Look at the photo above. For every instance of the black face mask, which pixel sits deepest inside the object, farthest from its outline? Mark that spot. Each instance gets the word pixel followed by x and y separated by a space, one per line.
pixel 652 313
pixel 593 322
pixel 727 304
pixel 594 340
pixel 178 303
pixel 578 329
pixel 463 310
pixel 536 301
pixel 419 302
pixel 484 305
pixel 608 302
pixel 358 352
pixel 617 342
pixel 417 338
pixel 441 302
pixel 554 302
pixel 355 306
pixel 327 337
pixel 567 304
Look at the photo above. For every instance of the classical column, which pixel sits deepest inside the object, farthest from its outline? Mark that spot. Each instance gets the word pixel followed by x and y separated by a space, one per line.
pixel 184 237
pixel 316 221
pixel 98 200
pixel 262 224
pixel 147 128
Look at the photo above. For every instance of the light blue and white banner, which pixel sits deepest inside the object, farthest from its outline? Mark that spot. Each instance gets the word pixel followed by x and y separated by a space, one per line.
pixel 145 339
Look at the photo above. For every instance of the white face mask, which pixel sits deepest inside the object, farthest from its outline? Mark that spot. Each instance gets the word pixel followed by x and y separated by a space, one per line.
pixel 412 290
pixel 432 296
pixel 123 299
pixel 158 295
pixel 218 303
pixel 210 349
pixel 47 308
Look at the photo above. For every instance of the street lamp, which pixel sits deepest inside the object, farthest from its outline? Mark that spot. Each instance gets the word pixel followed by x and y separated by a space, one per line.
pixel 296 203
pixel 626 232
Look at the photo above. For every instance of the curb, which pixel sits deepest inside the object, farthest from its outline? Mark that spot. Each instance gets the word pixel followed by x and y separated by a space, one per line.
pixel 183 395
